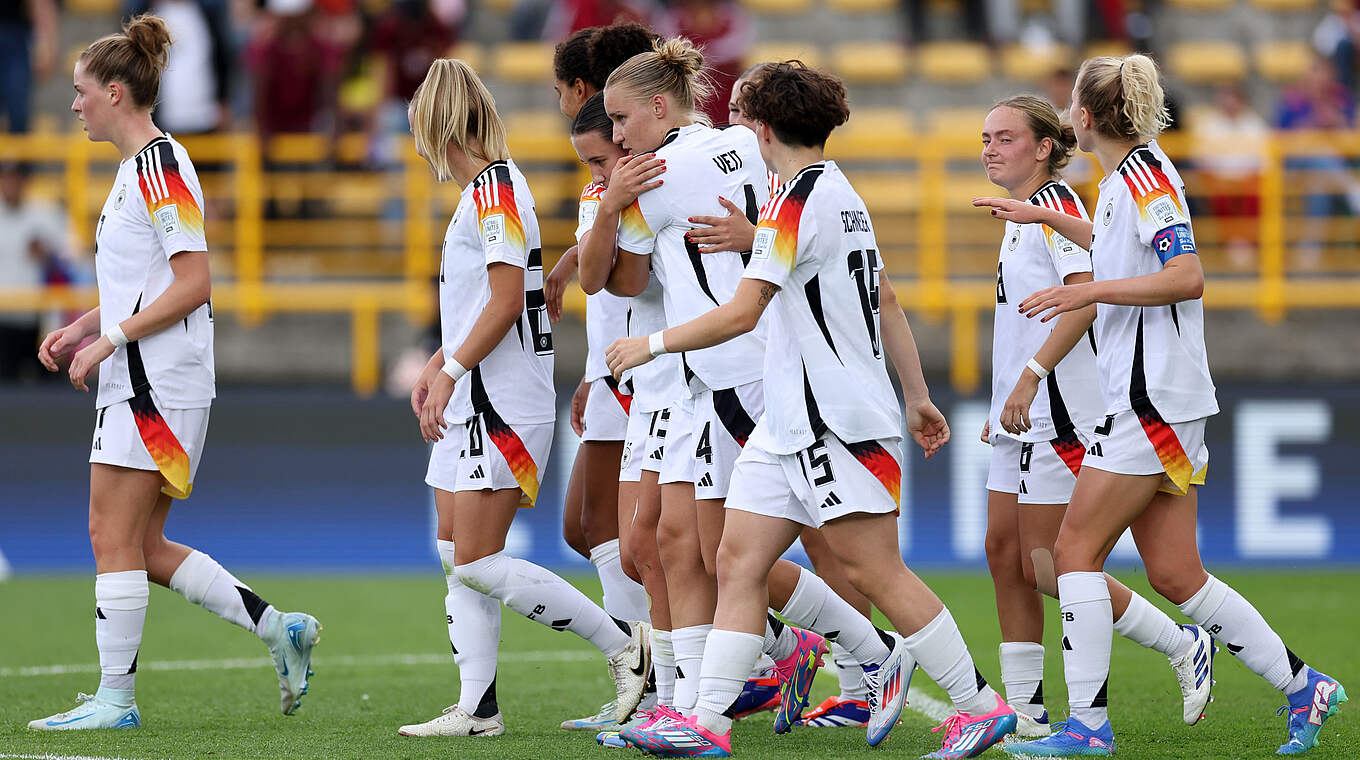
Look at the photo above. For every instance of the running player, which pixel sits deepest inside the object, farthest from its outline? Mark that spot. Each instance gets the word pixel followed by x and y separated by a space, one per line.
pixel 1040 421
pixel 1148 454
pixel 155 358
pixel 490 386
pixel 818 457
pixel 651 101
pixel 599 507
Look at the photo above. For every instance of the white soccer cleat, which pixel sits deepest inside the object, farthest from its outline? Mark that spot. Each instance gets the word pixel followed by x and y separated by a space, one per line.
pixel 291 636
pixel 1195 672
pixel 603 720
pixel 455 721
pixel 1029 727
pixel 93 712
pixel 630 669
pixel 888 684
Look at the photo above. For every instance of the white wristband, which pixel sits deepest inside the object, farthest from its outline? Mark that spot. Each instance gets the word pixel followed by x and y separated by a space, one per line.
pixel 453 369
pixel 116 336
pixel 1037 368
pixel 656 344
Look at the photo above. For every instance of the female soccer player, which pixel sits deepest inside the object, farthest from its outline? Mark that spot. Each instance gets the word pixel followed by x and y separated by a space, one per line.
pixel 1041 419
pixel 490 387
pixel 818 456
pixel 600 505
pixel 1148 454
pixel 155 359
pixel 651 101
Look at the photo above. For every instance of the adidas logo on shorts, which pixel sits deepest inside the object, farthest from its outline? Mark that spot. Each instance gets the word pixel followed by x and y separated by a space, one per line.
pixel 706 481
pixel 477 474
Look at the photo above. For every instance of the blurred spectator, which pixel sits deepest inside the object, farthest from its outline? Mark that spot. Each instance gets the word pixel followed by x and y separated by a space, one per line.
pixel 294 67
pixel 1320 102
pixel 918 13
pixel 28 52
pixel 723 29
pixel 1229 144
pixel 34 234
pixel 408 37
pixel 195 88
pixel 554 20
pixel 1335 38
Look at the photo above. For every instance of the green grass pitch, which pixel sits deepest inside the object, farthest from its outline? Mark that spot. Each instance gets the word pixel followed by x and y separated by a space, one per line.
pixel 206 688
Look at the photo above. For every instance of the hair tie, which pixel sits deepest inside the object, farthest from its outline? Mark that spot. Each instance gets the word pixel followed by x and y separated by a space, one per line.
pixel 1121 69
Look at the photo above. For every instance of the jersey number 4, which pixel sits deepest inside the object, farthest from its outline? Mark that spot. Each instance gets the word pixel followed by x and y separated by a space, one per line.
pixel 864 271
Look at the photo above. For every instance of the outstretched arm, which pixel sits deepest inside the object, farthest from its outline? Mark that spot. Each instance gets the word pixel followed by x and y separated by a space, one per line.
pixel 1073 228
pixel 736 317
pixel 1070 329
pixel 1181 279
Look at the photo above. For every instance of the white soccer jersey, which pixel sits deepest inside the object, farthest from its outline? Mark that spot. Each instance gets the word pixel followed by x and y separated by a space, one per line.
pixel 1152 358
pixel 824 360
pixel 702 163
pixel 495 223
pixel 154 211
pixel 1034 257
pixel 606 313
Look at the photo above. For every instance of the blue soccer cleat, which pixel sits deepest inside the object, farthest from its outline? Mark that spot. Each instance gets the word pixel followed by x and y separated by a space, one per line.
pixel 1308 709
pixel 1069 738
pixel 757 696
pixel 291 636
pixel 107 708
pixel 838 712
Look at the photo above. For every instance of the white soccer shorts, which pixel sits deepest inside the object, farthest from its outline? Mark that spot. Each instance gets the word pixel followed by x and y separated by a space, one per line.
pixel 723 421
pixel 486 453
pixel 677 457
pixel 1041 472
pixel 827 480
pixel 168 440
pixel 1134 443
pixel 606 415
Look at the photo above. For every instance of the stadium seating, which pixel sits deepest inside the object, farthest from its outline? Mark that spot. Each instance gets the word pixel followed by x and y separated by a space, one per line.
pixel 1283 61
pixel 806 52
pixel 862 6
pixel 954 62
pixel 1025 63
pixel 1207 61
pixel 870 62
pixel 527 62
pixel 778 7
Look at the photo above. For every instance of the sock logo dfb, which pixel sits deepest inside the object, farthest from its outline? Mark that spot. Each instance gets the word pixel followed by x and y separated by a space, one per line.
pixel 1322 702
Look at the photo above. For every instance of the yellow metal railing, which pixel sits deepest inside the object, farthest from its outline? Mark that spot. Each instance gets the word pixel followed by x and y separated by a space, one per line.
pixel 369 243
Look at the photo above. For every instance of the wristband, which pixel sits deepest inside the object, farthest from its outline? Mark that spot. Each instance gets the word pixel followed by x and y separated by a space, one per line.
pixel 1037 368
pixel 116 336
pixel 453 369
pixel 656 345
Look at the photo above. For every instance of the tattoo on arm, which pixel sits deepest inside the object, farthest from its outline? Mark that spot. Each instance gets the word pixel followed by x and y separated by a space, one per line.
pixel 767 294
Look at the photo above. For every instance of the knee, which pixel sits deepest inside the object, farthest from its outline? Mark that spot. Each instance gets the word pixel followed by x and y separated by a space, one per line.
pixel 107 538
pixel 1073 553
pixel 480 574
pixel 1174 584
pixel 734 566
pixel 1003 553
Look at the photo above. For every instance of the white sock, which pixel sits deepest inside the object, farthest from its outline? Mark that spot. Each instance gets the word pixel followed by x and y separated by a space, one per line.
pixel 204 582
pixel 814 606
pixel 663 666
pixel 779 641
pixel 543 597
pixel 941 653
pixel 474 636
pixel 1144 624
pixel 624 598
pixel 689 658
pixel 1087 629
pixel 727 659
pixel 1022 673
pixel 1240 628
pixel 119 615
pixel 849 674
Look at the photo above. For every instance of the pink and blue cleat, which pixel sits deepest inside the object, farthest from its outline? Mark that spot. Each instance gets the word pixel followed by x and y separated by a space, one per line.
pixel 795 676
pixel 682 738
pixel 970 735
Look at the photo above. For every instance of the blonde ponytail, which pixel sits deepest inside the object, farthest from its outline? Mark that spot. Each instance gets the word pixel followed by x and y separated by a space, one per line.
pixel 1124 96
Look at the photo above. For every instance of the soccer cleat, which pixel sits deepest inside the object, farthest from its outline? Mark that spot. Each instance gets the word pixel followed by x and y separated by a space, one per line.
pixel 1308 709
pixel 1069 738
pixel 291 636
pixel 1030 727
pixel 641 719
pixel 795 674
pixel 838 712
pixel 682 738
pixel 99 710
pixel 757 696
pixel 455 721
pixel 630 669
pixel 888 683
pixel 600 721
pixel 1195 672
pixel 970 735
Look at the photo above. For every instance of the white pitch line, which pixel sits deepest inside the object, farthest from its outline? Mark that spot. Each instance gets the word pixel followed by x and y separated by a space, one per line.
pixel 57 757
pixel 240 663
pixel 923 703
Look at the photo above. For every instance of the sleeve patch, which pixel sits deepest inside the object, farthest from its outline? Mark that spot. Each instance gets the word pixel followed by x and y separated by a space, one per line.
pixel 168 219
pixel 1062 246
pixel 493 229
pixel 1172 242
pixel 763 244
pixel 1164 210
pixel 585 217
